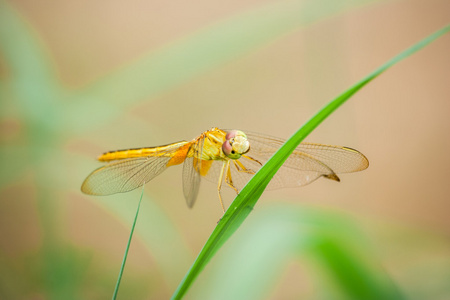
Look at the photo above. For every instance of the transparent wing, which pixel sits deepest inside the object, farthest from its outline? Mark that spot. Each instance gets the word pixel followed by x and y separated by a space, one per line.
pixel 307 163
pixel 127 174
pixel 191 172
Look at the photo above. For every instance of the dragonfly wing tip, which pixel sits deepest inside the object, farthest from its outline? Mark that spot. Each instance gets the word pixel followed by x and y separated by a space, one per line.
pixel 332 176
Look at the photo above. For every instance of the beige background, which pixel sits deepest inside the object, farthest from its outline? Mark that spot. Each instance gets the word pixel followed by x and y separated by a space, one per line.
pixel 400 121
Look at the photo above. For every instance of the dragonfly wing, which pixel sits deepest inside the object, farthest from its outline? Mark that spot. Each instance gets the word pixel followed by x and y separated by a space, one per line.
pixel 243 171
pixel 306 170
pixel 191 172
pixel 128 174
pixel 308 161
pixel 123 175
pixel 238 178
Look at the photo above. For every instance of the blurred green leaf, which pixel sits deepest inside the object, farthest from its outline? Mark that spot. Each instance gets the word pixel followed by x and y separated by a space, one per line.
pixel 64 269
pixel 33 80
pixel 12 159
pixel 247 198
pixel 256 257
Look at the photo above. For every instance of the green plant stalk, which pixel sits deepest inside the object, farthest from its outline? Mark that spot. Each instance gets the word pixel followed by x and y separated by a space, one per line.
pixel 119 278
pixel 247 198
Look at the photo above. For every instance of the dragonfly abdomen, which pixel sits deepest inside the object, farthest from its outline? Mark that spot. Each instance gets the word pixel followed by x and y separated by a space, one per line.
pixel 128 153
pixel 141 152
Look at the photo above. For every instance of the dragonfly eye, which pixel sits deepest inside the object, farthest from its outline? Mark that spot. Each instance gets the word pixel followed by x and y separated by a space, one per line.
pixel 235 144
pixel 228 150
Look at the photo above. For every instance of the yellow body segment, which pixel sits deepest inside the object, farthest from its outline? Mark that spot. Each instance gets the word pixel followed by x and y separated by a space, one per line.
pixel 166 150
pixel 212 144
pixel 205 165
pixel 179 156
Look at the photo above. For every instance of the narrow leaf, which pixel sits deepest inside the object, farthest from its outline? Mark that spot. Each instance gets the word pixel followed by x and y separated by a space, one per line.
pixel 119 278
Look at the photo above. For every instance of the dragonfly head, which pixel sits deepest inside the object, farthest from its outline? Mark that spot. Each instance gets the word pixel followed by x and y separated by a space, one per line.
pixel 236 144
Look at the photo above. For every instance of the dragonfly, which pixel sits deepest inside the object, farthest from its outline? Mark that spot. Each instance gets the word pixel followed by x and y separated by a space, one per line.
pixel 228 157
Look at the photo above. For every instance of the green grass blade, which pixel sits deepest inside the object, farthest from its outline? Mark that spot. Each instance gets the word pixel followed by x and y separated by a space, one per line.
pixel 247 198
pixel 119 278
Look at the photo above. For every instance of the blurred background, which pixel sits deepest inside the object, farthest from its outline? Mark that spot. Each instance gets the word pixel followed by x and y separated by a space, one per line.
pixel 78 78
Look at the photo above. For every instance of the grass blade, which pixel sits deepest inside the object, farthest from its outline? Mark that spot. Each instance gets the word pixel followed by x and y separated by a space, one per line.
pixel 247 198
pixel 119 278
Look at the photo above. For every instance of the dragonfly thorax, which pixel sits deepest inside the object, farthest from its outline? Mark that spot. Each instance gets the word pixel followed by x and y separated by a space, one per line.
pixel 236 144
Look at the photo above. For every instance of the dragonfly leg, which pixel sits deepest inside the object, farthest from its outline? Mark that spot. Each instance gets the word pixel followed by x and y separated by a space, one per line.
pixel 229 180
pixel 251 158
pixel 224 166
pixel 241 168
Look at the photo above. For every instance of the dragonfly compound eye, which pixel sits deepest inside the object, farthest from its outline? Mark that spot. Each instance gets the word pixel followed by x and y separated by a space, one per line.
pixel 236 144
pixel 228 150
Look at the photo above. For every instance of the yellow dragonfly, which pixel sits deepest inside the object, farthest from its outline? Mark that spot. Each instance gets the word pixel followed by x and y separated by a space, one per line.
pixel 229 156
